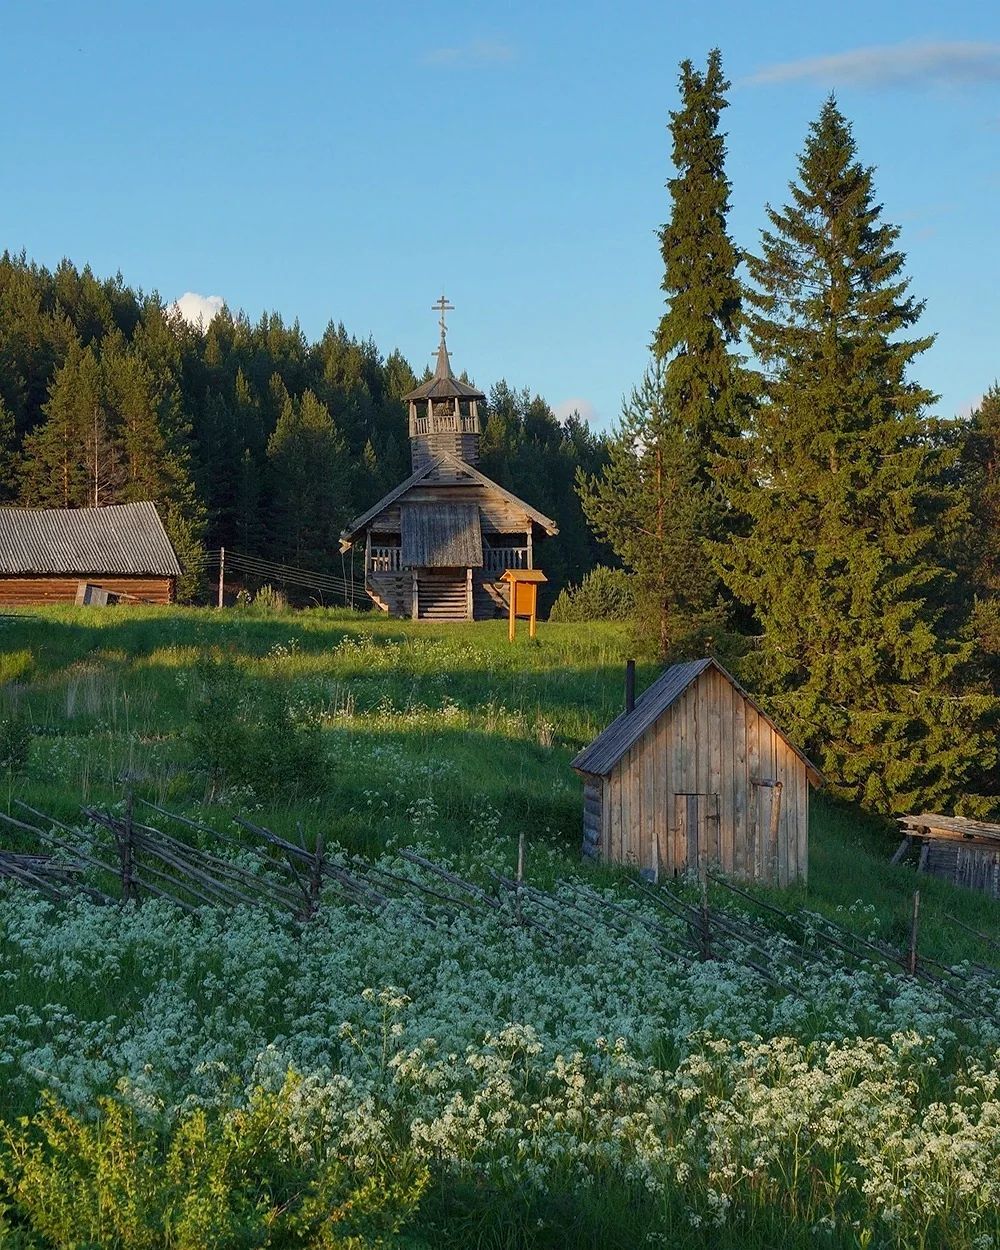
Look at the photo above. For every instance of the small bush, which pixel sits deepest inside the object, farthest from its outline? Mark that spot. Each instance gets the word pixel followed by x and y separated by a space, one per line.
pixel 267 599
pixel 252 736
pixel 15 745
pixel 605 594
pixel 250 1177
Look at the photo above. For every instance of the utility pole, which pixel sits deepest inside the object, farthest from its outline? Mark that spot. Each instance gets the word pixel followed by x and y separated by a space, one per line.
pixel 222 573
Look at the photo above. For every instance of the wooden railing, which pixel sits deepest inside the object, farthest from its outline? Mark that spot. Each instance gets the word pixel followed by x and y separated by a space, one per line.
pixel 445 423
pixel 385 560
pixel 499 558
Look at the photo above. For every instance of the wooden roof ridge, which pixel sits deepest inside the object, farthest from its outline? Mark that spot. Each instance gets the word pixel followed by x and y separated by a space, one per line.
pixel 418 475
pixel 936 825
pixel 600 757
pixel 124 538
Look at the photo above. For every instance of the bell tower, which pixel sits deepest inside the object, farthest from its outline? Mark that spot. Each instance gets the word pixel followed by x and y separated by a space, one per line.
pixel 444 412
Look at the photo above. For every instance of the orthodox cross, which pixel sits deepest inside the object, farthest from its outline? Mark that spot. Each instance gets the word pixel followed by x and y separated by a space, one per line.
pixel 442 306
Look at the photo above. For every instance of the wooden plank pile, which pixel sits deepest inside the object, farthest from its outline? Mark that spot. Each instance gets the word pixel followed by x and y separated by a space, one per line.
pixel 962 851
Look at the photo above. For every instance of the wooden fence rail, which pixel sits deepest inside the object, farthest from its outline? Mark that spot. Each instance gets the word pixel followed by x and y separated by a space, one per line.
pixel 126 859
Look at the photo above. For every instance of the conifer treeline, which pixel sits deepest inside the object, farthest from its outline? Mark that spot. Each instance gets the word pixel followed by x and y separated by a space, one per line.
pixel 246 435
pixel 803 499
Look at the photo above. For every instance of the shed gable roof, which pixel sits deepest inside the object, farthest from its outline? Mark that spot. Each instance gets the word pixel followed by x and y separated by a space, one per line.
pixel 126 539
pixel 625 730
pixel 446 470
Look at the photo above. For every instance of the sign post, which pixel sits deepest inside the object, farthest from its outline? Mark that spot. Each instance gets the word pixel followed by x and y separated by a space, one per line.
pixel 523 584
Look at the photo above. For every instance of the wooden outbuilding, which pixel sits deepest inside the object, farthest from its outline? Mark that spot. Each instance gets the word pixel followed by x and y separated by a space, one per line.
pixel 85 555
pixel 437 546
pixel 697 776
pixel 959 850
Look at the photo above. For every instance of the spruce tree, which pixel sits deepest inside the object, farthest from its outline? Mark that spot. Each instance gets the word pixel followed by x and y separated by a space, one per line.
pixel 848 489
pixel 649 506
pixel 982 475
pixel 702 380
pixel 9 459
pixel 57 471
pixel 308 464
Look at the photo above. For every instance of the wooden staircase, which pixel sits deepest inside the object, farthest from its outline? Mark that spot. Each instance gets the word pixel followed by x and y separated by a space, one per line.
pixel 442 595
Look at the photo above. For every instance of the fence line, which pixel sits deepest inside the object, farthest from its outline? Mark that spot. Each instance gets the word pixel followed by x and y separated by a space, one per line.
pixel 138 859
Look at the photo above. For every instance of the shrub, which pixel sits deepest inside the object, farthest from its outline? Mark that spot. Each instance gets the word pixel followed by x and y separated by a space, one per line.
pixel 254 1176
pixel 605 594
pixel 252 735
pixel 15 745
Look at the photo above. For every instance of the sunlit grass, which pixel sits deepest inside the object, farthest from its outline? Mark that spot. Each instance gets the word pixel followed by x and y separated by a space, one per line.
pixel 410 714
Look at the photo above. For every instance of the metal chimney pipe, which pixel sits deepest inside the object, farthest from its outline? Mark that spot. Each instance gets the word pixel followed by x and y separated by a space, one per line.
pixel 629 685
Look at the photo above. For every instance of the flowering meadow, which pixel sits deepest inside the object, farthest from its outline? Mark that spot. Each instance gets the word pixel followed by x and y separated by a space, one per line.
pixel 419 1078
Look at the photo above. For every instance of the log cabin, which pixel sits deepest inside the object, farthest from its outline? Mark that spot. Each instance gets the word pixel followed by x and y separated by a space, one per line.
pixel 85 555
pixel 437 546
pixel 694 776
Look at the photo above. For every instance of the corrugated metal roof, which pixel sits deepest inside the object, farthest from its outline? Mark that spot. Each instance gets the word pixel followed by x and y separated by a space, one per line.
pixel 441 535
pixel 126 538
pixel 626 730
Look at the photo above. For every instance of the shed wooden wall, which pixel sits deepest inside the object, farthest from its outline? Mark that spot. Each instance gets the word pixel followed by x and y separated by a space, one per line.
pixel 24 591
pixel 974 867
pixel 712 742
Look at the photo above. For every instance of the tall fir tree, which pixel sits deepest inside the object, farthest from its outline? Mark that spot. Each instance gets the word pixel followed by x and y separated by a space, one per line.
pixel 982 549
pixel 847 490
pixel 649 506
pixel 55 471
pixel 308 463
pixel 703 381
pixel 9 458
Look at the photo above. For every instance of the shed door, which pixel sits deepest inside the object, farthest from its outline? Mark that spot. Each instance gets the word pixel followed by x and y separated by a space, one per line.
pixel 696 818
pixel 764 857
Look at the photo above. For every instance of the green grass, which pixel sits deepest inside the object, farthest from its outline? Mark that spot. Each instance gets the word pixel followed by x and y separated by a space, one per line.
pixel 442 729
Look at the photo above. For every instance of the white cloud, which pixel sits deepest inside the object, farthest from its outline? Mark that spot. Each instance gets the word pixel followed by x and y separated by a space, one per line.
pixel 893 65
pixel 973 405
pixel 479 52
pixel 582 406
pixel 198 310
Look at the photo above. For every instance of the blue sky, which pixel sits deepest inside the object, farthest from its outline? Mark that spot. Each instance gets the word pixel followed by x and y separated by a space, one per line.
pixel 349 162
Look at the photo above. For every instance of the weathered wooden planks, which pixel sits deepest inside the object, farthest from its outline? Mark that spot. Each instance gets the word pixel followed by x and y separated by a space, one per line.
pixel 707 782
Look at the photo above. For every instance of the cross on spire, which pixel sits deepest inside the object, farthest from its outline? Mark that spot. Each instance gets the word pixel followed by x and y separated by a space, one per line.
pixel 442 306
pixel 443 369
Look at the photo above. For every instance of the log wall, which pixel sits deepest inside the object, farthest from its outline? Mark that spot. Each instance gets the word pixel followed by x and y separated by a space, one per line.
pixel 25 591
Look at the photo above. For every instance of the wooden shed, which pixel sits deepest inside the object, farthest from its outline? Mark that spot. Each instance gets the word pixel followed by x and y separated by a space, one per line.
pixel 696 776
pixel 956 849
pixel 85 555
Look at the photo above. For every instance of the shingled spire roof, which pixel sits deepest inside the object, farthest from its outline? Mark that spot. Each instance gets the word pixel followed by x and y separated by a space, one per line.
pixel 443 384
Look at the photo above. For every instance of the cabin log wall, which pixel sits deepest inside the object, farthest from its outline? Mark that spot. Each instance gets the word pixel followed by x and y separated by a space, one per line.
pixel 24 591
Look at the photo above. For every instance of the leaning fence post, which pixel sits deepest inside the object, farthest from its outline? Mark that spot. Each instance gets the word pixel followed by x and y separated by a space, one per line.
pixel 914 919
pixel 126 850
pixel 706 936
pixel 519 879
pixel 315 877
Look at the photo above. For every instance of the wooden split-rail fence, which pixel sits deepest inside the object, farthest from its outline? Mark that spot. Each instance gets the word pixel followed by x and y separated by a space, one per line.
pixel 118 858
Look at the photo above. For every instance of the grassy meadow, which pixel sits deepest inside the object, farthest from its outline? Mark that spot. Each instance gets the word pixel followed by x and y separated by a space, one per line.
pixel 409 719
pixel 229 1080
